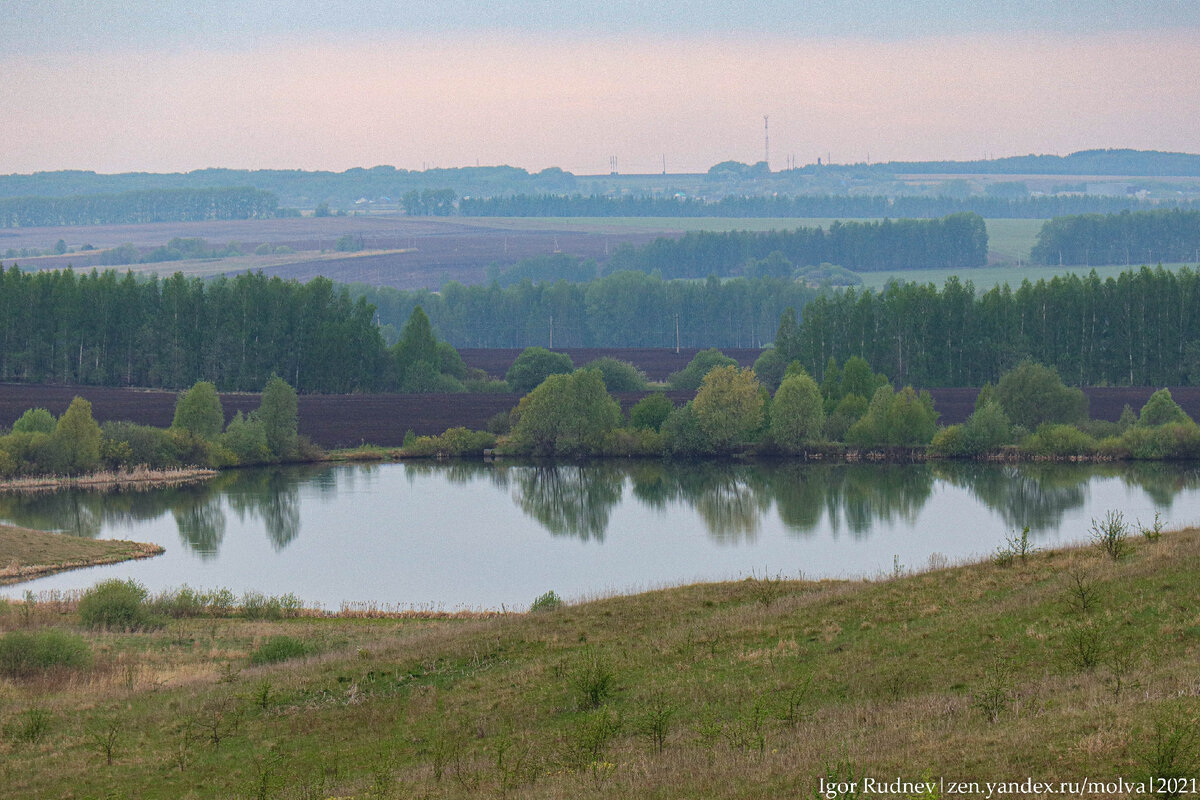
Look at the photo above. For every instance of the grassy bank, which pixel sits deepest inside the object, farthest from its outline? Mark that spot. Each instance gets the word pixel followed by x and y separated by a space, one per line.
pixel 26 553
pixel 1054 666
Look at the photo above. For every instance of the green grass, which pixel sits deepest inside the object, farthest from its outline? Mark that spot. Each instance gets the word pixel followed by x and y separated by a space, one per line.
pixel 750 689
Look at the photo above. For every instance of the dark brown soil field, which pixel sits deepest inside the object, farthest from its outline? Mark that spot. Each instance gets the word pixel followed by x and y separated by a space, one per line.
pixel 383 419
pixel 436 250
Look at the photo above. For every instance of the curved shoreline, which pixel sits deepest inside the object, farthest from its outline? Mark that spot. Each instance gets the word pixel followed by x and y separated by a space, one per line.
pixel 26 553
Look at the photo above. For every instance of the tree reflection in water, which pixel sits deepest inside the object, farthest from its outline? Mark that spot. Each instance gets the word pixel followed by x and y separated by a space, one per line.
pixel 730 498
pixel 570 500
pixel 1038 495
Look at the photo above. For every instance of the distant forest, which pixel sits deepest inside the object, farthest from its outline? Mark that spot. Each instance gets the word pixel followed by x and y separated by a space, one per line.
pixel 1085 162
pixel 1141 329
pixel 831 206
pixel 627 309
pixel 1145 237
pixel 113 330
pixel 959 240
pixel 150 205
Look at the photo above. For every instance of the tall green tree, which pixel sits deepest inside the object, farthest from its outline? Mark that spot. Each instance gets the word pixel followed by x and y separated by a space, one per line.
pixel 566 415
pixel 78 436
pixel 797 412
pixel 199 411
pixel 278 412
pixel 729 405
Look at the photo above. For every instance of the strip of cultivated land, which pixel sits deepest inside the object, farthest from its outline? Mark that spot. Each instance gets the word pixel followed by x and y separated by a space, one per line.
pixel 1047 665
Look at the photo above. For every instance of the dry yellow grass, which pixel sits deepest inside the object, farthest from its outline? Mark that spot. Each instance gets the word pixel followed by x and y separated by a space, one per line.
pixel 763 687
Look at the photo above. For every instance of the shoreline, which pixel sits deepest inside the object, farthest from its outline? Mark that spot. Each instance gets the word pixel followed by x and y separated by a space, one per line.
pixel 137 478
pixel 10 576
pixel 29 553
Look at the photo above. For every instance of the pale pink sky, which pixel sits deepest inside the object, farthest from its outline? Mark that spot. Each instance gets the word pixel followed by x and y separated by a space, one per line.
pixel 572 101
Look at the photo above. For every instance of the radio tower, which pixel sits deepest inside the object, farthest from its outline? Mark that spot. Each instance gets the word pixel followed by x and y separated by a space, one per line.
pixel 766 143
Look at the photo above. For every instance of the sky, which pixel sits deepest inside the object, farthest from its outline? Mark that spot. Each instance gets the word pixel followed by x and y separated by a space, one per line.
pixel 168 85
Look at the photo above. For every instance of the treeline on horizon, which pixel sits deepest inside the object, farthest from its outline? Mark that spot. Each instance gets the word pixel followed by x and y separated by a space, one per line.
pixel 824 205
pixel 308 188
pixel 149 205
pixel 1141 328
pixel 1146 237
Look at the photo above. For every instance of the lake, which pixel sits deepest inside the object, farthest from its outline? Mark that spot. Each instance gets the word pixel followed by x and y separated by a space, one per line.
pixel 484 536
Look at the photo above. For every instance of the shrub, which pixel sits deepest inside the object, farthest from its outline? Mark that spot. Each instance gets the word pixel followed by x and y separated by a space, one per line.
pixel 849 410
pixel 533 366
pixel 651 412
pixel 619 376
pixel 279 648
pixel 690 376
pixel 770 367
pixel 950 442
pixel 256 605
pixel 246 438
pixel 1161 409
pixel 592 679
pixel 683 434
pixel 26 653
pixel 454 442
pixel 117 605
pixel 35 420
pixel 154 447
pixel 1111 535
pixel 1032 394
pixel 546 602
pixel 1059 441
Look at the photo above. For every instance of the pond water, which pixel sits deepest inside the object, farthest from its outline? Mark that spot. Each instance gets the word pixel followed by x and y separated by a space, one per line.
pixel 475 535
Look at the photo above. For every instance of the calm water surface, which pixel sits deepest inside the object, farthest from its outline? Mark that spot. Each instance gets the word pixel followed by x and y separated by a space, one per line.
pixel 482 535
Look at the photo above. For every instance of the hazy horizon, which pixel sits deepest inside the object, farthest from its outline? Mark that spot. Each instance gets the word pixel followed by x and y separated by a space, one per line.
pixel 167 87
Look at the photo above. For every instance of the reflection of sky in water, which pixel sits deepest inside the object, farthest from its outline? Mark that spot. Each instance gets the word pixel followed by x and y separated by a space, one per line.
pixel 474 535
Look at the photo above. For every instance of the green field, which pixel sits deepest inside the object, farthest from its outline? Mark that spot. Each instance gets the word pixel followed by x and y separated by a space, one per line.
pixel 1047 665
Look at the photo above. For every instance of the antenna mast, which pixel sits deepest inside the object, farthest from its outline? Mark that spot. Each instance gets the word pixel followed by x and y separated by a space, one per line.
pixel 766 143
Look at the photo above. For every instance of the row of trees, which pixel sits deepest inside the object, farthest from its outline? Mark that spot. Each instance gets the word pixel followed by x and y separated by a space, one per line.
pixel 1139 329
pixel 572 414
pixel 150 205
pixel 75 443
pixel 627 309
pixel 106 329
pixel 820 205
pixel 957 240
pixel 1143 237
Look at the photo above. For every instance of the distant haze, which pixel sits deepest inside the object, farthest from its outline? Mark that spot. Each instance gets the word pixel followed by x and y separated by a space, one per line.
pixel 131 91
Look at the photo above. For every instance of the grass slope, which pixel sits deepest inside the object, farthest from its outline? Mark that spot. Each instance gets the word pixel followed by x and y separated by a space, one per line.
pixel 25 553
pixel 1059 666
